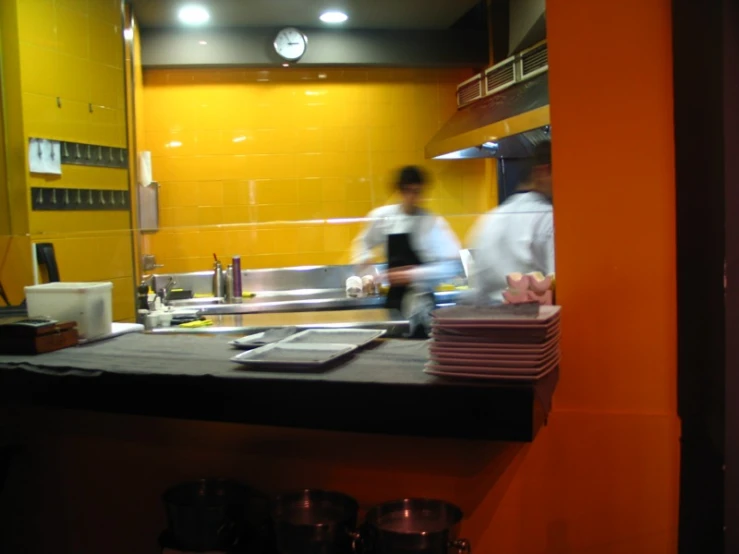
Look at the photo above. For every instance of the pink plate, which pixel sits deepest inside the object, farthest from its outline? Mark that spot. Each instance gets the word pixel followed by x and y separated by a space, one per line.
pixel 488 376
pixel 477 316
pixel 496 355
pixel 493 348
pixel 492 364
pixel 457 366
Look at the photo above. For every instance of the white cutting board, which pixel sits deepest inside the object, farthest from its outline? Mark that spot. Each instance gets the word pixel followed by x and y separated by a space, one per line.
pixel 118 330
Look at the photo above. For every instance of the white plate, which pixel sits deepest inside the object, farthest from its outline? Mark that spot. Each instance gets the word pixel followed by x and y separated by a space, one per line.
pixel 357 337
pixel 293 356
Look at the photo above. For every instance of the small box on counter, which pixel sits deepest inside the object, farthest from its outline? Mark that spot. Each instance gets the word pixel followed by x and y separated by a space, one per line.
pixel 36 336
pixel 89 304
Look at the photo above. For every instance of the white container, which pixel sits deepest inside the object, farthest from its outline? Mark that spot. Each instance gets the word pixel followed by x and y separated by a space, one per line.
pixel 89 304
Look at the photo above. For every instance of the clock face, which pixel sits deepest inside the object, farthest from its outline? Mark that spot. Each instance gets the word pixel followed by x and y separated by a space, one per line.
pixel 290 44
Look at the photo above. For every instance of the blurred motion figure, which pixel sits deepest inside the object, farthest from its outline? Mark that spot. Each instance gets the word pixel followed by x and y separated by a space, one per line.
pixel 518 235
pixel 420 247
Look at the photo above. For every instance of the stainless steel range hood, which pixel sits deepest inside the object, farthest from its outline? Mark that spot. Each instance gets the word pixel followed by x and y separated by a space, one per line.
pixel 506 124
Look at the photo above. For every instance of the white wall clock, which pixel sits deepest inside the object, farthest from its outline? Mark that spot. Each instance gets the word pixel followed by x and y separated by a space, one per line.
pixel 290 44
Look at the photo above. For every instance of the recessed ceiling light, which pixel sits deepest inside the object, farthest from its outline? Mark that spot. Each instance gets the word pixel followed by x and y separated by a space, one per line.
pixel 333 16
pixel 192 14
pixel 202 42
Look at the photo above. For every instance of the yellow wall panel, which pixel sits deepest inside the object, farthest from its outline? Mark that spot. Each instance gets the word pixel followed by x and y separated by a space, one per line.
pixel 71 50
pixel 72 30
pixel 36 22
pixel 232 151
pixel 75 78
pixel 40 69
pixel 15 268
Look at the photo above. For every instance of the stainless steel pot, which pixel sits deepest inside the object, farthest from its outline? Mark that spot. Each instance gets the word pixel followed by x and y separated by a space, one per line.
pixel 213 514
pixel 315 522
pixel 413 526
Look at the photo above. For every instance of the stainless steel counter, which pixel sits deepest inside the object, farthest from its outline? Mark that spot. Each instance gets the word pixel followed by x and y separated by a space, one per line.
pixel 244 324
pixel 327 300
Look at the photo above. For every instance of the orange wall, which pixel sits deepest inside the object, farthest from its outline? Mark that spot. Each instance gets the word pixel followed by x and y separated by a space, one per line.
pixel 602 477
pixel 72 51
pixel 254 162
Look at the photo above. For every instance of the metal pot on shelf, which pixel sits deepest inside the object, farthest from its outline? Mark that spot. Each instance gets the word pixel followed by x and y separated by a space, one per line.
pixel 315 522
pixel 214 514
pixel 414 526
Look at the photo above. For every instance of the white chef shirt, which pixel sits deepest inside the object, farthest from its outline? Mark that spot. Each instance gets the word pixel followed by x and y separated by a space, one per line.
pixel 434 242
pixel 515 237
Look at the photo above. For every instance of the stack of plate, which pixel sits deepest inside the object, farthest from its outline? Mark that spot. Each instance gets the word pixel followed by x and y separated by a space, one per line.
pixel 504 343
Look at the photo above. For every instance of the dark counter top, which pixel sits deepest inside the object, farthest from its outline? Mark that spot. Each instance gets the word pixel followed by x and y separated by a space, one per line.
pixel 380 390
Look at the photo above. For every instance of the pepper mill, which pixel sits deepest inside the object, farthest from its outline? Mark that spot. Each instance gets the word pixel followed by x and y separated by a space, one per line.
pixel 217 280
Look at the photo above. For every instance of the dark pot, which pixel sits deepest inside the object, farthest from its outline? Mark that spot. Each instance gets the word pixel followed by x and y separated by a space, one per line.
pixel 315 522
pixel 208 514
pixel 413 526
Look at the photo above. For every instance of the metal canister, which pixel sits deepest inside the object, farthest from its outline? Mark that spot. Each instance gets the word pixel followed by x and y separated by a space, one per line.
pixel 230 283
pixel 237 291
pixel 217 280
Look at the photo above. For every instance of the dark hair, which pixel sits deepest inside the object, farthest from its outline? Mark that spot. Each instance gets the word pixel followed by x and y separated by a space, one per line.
pixel 410 175
pixel 543 153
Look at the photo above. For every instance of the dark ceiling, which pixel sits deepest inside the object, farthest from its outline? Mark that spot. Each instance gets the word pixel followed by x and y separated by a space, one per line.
pixel 364 14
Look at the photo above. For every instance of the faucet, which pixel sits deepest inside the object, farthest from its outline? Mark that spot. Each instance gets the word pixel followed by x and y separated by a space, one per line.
pixel 168 289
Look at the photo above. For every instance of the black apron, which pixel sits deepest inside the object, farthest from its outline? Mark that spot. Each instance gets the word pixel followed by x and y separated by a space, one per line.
pixel 400 253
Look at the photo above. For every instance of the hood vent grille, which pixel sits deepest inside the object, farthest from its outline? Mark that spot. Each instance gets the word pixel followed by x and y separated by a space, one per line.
pixel 469 91
pixel 517 68
pixel 500 77
pixel 534 61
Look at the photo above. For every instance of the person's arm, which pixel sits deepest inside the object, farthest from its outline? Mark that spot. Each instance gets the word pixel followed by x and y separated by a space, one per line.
pixel 483 260
pixel 543 247
pixel 370 237
pixel 439 250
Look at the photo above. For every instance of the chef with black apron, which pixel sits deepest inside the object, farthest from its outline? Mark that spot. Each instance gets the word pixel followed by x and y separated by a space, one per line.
pixel 420 247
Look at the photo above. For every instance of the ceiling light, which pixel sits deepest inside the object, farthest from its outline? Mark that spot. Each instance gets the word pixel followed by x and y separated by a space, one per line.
pixel 322 75
pixel 239 139
pixel 333 16
pixel 285 65
pixel 202 42
pixel 192 14
pixel 173 144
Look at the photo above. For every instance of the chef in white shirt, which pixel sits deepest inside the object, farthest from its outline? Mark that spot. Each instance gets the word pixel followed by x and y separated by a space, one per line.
pixel 518 235
pixel 420 247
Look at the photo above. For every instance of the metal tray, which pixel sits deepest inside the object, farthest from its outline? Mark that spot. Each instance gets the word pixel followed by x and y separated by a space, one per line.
pixel 356 337
pixel 269 336
pixel 293 356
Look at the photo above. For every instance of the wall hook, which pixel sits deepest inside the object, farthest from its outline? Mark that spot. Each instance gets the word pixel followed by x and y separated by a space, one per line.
pixel 123 198
pixel 66 197
pixel 89 152
pixel 112 198
pixel 40 199
pixel 79 196
pixel 102 198
pixel 110 154
pixel 78 153
pixel 100 153
pixel 53 196
pixel 89 198
pixel 66 152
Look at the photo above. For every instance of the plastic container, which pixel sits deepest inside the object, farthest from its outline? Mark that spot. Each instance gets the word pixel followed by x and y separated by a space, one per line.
pixel 89 304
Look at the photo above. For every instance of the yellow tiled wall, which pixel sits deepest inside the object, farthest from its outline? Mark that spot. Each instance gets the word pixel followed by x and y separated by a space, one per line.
pixel 71 86
pixel 277 165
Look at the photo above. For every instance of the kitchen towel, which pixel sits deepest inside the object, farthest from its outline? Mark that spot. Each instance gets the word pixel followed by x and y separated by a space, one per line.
pixel 144 169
